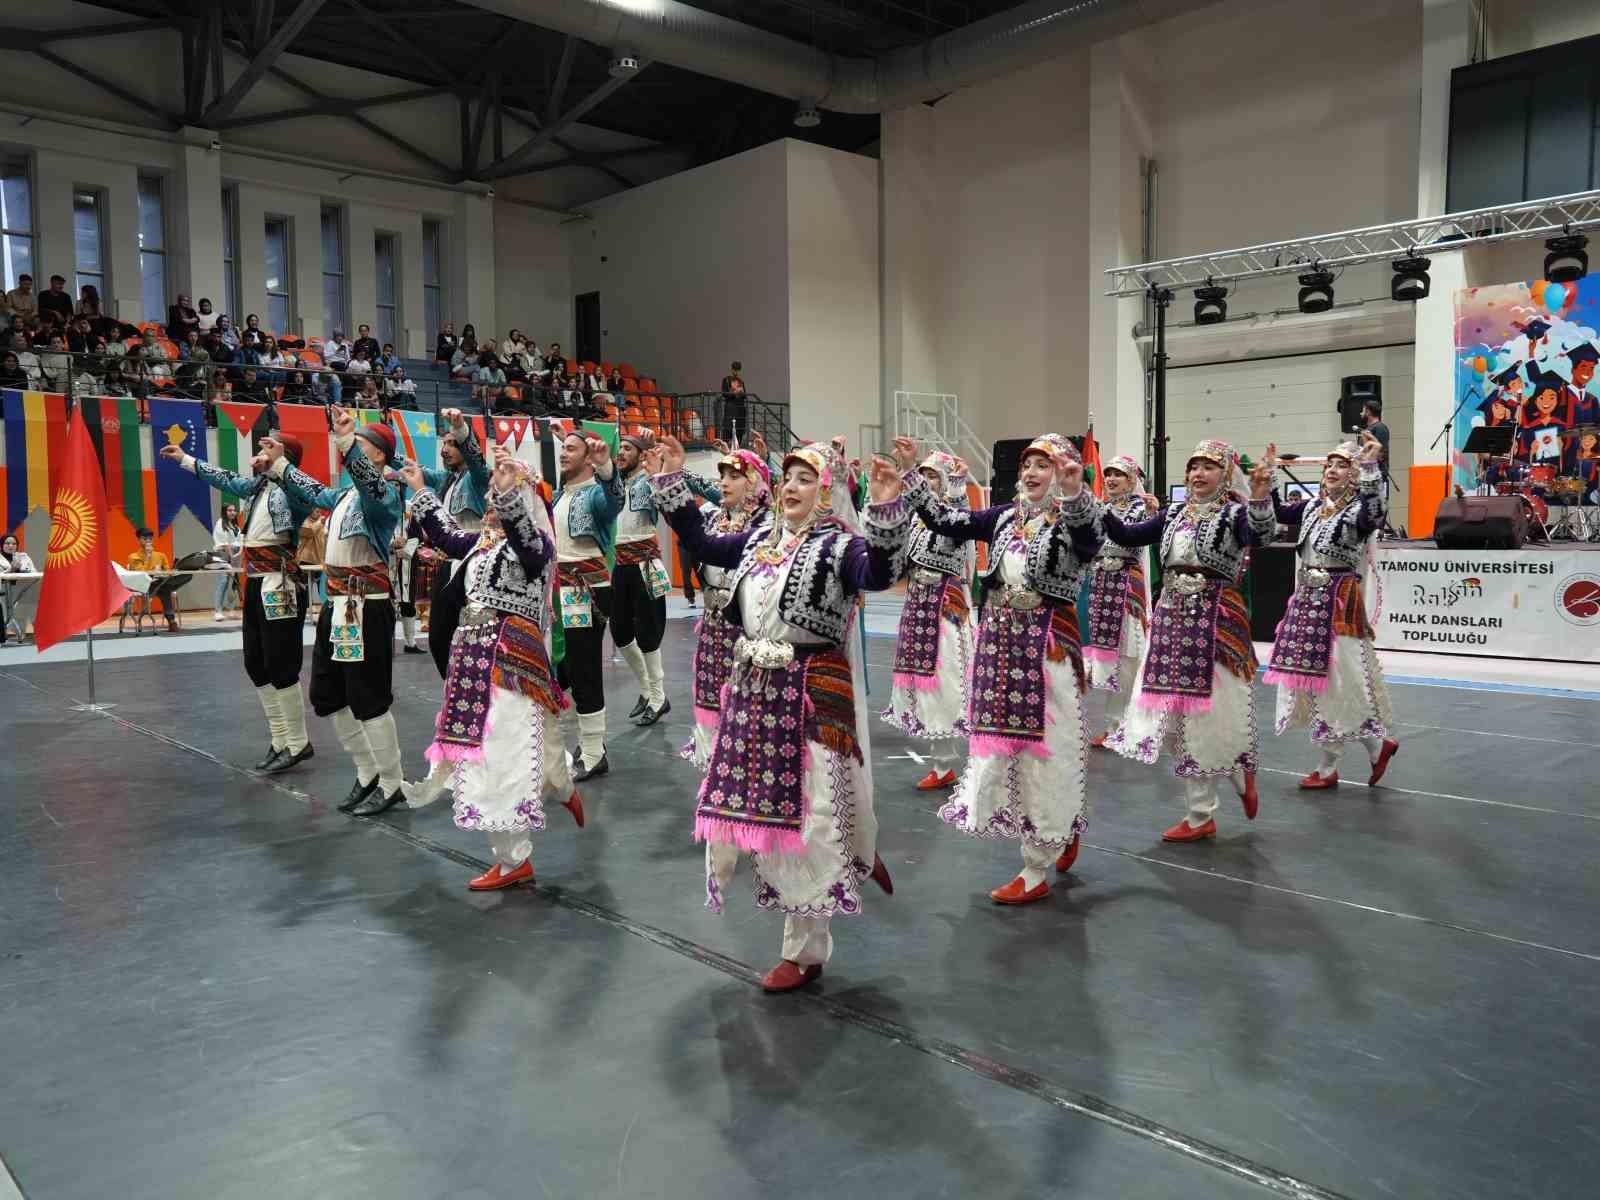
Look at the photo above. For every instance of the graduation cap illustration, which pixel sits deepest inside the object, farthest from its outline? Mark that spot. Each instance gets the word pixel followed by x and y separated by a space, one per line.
pixel 1584 353
pixel 1504 378
pixel 1534 329
pixel 1544 380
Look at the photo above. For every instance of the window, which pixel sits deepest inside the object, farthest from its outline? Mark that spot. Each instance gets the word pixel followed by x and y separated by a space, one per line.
pixel 88 242
pixel 152 248
pixel 16 220
pixel 229 303
pixel 278 298
pixel 385 252
pixel 333 307
pixel 433 278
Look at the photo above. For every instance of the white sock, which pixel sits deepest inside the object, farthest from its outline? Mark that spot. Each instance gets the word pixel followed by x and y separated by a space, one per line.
pixel 268 695
pixel 408 627
pixel 655 678
pixel 292 704
pixel 634 657
pixel 1374 747
pixel 1116 705
pixel 945 753
pixel 1330 760
pixel 592 736
pixel 384 738
pixel 1202 797
pixel 353 737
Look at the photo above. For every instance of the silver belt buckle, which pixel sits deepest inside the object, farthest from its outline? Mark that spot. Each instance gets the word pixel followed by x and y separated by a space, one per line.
pixel 718 598
pixel 764 653
pixel 477 614
pixel 1022 599
pixel 924 576
pixel 1317 578
pixel 1110 562
pixel 1185 583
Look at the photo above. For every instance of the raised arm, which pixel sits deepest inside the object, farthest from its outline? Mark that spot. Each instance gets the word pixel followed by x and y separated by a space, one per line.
pixel 296 482
pixel 1291 513
pixel 528 542
pixel 872 561
pixel 1132 533
pixel 1078 529
pixel 706 489
pixel 440 528
pixel 676 503
pixel 240 486
pixel 610 481
pixel 954 522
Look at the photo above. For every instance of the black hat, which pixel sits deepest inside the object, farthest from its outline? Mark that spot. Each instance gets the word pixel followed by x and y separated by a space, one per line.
pixel 1535 328
pixel 1584 353
pixel 1543 380
pixel 1505 377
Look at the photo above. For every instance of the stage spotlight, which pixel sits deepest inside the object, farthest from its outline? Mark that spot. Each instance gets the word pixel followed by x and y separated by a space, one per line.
pixel 1410 282
pixel 1316 291
pixel 1568 260
pixel 1210 305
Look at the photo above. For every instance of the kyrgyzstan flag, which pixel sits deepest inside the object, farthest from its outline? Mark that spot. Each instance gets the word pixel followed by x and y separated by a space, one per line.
pixel 80 586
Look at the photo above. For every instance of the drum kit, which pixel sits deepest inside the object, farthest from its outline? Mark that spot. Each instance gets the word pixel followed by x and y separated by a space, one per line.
pixel 1543 489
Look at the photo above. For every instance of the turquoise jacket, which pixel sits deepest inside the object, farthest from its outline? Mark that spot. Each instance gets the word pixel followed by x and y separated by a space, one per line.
pixel 287 510
pixel 594 510
pixel 375 516
pixel 472 494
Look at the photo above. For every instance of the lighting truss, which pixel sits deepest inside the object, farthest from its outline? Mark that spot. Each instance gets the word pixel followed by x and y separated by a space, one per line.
pixel 1403 239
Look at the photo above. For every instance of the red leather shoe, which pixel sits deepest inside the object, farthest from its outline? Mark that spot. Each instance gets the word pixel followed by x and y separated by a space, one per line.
pixel 1390 749
pixel 787 976
pixel 574 805
pixel 1069 855
pixel 1185 832
pixel 1317 781
pixel 1015 893
pixel 494 878
pixel 1099 743
pixel 1248 797
pixel 933 781
pixel 880 876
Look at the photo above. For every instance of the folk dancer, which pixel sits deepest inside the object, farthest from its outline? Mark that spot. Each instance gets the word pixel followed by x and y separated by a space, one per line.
pixel 1024 777
pixel 639 581
pixel 274 600
pixel 1323 660
pixel 1119 598
pixel 404 563
pixel 585 518
pixel 933 647
pixel 1193 698
pixel 352 663
pixel 498 730
pixel 787 781
pixel 746 505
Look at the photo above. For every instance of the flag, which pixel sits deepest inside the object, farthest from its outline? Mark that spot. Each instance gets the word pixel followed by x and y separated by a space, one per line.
pixel 364 416
pixel 418 433
pixel 124 457
pixel 309 423
pixel 1092 473
pixel 80 585
pixel 179 423
pixel 36 428
pixel 236 419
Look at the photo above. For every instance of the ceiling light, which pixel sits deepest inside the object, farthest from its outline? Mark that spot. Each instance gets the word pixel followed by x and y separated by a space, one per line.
pixel 806 116
pixel 1410 282
pixel 624 64
pixel 1568 260
pixel 1210 305
pixel 1316 291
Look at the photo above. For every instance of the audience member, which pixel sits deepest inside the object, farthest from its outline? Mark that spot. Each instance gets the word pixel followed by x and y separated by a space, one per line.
pixel 56 300
pixel 11 373
pixel 228 338
pixel 55 365
pixel 735 411
pixel 226 541
pixel 148 558
pixel 181 320
pixel 88 301
pixel 444 349
pixel 206 317
pixel 21 299
pixel 365 341
pixel 386 362
pixel 555 362
pixel 252 336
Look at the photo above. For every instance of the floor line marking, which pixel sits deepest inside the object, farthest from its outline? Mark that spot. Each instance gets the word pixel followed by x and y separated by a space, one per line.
pixel 1028 1083
pixel 9 1189
pixel 1521 737
pixel 1554 812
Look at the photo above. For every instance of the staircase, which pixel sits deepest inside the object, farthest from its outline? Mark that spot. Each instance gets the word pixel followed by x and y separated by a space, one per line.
pixel 934 420
pixel 435 389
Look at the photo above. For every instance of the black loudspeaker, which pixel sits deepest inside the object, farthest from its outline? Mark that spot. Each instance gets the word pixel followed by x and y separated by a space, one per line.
pixel 1354 391
pixel 1481 523
pixel 1271 584
pixel 1003 463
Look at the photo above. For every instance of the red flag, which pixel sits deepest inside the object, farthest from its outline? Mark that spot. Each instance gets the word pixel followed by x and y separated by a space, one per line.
pixel 1091 460
pixel 80 586
pixel 309 423
pixel 242 414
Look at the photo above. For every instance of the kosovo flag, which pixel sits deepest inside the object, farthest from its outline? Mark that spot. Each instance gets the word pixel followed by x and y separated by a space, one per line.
pixel 179 423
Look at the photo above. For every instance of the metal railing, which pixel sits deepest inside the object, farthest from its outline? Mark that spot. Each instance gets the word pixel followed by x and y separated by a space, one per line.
pixel 934 420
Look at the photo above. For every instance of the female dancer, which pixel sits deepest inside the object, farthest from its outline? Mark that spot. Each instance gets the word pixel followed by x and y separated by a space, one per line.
pixel 746 505
pixel 787 780
pixel 1323 660
pixel 1024 777
pixel 1119 598
pixel 933 653
pixel 498 722
pixel 1193 697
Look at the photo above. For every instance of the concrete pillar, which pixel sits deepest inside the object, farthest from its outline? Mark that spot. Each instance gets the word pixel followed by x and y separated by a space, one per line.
pixel 909 215
pixel 196 220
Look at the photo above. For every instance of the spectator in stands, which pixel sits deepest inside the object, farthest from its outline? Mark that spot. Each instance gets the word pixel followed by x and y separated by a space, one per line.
pixel 398 387
pixel 490 377
pixel 181 320
pixel 80 338
pixel 615 384
pixel 154 351
pixel 206 316
pixel 387 361
pixel 369 396
pixel 469 340
pixel 88 302
pixel 298 389
pixel 365 341
pixel 195 372
pixel 252 388
pixel 274 361
pixel 359 363
pixel 228 336
pixel 252 337
pixel 336 351
pixel 11 373
pixel 56 299
pixel 55 365
pixel 735 412
pixel 21 300
pixel 462 363
pixel 115 383
pixel 555 362
pixel 444 349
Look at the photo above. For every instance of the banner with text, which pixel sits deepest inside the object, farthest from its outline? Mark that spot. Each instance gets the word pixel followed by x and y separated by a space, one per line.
pixel 1504 603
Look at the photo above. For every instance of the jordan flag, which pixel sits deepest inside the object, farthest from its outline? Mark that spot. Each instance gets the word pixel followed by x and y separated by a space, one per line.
pixel 80 586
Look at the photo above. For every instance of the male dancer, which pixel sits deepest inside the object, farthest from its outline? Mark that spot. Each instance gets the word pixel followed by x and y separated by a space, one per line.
pixel 639 582
pixel 353 662
pixel 274 599
pixel 585 519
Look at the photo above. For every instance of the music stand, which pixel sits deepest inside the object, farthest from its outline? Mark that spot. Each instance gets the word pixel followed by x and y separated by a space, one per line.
pixel 1493 440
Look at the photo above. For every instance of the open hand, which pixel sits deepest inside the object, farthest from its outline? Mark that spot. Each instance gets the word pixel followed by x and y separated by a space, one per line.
pixel 720 446
pixel 672 455
pixel 344 421
pixel 759 445
pixel 411 476
pixel 271 450
pixel 1151 504
pixel 1261 473
pixel 1069 473
pixel 1371 447
pixel 454 419
pixel 905 453
pixel 506 476
pixel 652 460
pixel 884 485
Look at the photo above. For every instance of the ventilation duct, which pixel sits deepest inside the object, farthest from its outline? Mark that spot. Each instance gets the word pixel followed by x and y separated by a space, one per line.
pixel 708 44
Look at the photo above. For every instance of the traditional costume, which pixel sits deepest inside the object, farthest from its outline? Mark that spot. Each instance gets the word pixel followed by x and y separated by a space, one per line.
pixel 933 647
pixel 463 493
pixel 353 661
pixel 1119 606
pixel 715 636
pixel 640 583
pixel 1193 698
pixel 788 780
pixel 1323 660
pixel 498 728
pixel 274 602
pixel 1024 777
pixel 585 522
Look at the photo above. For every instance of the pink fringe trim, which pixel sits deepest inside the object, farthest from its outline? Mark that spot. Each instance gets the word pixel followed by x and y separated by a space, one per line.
pixel 920 683
pixel 992 745
pixel 437 753
pixel 1302 683
pixel 1100 654
pixel 706 718
pixel 1181 704
pixel 748 838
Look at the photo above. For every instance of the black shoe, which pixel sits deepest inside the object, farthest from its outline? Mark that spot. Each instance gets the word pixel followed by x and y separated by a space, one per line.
pixel 603 767
pixel 287 758
pixel 639 706
pixel 272 754
pixel 378 802
pixel 410 649
pixel 651 715
pixel 358 793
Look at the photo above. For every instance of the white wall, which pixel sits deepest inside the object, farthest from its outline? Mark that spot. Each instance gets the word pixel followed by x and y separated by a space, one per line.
pixel 1516 26
pixel 533 288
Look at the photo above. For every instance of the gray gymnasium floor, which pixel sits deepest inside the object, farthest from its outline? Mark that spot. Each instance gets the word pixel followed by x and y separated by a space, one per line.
pixel 215 985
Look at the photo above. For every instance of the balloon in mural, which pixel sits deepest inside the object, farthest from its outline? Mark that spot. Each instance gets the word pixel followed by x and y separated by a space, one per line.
pixel 1480 364
pixel 1555 297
